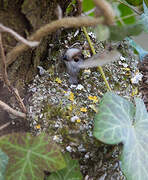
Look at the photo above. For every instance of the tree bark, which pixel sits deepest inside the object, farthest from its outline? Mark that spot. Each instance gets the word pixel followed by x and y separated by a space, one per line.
pixel 25 17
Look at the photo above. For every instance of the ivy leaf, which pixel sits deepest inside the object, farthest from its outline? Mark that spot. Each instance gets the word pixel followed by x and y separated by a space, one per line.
pixel 71 172
pixel 3 163
pixel 30 155
pixel 134 2
pixel 125 15
pixel 87 5
pixel 118 121
pixel 114 118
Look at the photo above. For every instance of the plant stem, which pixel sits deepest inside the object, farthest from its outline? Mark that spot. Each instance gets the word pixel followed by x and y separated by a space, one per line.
pixel 93 51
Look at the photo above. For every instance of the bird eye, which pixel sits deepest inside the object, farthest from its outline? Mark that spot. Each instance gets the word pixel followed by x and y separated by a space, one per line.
pixel 76 59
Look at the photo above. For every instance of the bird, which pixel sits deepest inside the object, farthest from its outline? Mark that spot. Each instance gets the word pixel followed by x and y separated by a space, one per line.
pixel 74 60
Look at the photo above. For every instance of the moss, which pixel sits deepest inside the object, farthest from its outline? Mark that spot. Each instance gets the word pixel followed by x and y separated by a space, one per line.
pixel 53 111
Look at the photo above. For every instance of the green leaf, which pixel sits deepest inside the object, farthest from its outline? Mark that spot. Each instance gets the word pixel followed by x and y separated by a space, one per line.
pixel 69 9
pixel 134 156
pixel 30 156
pixel 87 5
pixel 114 119
pixel 3 163
pixel 134 2
pixel 146 2
pixel 119 33
pixel 118 121
pixel 127 16
pixel 71 172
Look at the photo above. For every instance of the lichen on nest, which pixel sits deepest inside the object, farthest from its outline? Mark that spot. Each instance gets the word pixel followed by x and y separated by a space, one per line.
pixel 66 112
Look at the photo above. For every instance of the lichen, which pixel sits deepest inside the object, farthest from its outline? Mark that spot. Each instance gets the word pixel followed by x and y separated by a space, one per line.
pixel 66 112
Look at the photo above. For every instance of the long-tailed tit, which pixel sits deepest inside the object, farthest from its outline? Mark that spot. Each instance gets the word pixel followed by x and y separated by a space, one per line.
pixel 74 61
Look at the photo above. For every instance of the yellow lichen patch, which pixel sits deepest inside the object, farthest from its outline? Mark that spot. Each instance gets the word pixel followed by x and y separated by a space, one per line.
pixel 38 126
pixel 126 69
pixel 71 96
pixel 58 80
pixel 70 107
pixel 128 73
pixel 83 109
pixel 134 91
pixel 78 120
pixel 93 98
pixel 86 53
pixel 64 92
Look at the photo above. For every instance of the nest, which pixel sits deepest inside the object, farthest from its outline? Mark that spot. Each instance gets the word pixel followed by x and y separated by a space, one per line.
pixel 143 67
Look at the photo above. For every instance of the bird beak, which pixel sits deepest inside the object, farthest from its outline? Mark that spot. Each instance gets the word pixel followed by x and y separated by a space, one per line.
pixel 65 58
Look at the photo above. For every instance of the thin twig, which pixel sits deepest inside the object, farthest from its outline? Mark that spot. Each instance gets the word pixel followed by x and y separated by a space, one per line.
pixel 4 126
pixel 93 51
pixel 12 111
pixel 67 22
pixel 3 64
pixel 5 76
pixel 18 37
pixel 88 12
pixel 16 93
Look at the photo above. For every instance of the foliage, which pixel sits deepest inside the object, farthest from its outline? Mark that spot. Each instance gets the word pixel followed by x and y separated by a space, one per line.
pixel 126 15
pixel 3 164
pixel 143 22
pixel 119 121
pixel 142 53
pixel 69 9
pixel 71 172
pixel 119 33
pixel 134 2
pixel 87 5
pixel 30 156
pixel 126 21
pixel 144 17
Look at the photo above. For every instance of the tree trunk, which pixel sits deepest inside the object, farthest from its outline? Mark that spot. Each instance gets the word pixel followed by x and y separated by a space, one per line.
pixel 25 17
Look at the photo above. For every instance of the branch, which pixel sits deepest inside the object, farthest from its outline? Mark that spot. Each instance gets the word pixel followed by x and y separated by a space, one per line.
pixel 4 126
pixel 107 11
pixel 67 22
pixel 18 37
pixel 5 76
pixel 12 111
pixel 3 64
